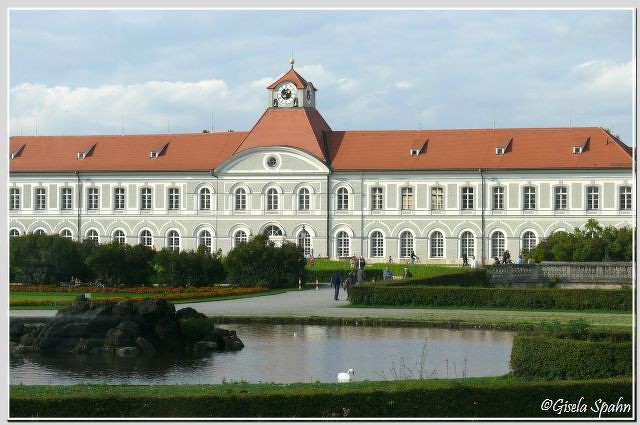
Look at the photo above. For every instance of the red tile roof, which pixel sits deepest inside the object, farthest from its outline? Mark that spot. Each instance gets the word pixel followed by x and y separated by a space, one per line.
pixel 300 128
pixel 292 75
pixel 198 151
pixel 546 148
pixel 305 129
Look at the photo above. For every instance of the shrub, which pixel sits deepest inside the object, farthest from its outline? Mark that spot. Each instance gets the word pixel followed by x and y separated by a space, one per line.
pixel 535 356
pixel 260 263
pixel 472 277
pixel 179 268
pixel 573 299
pixel 471 398
pixel 195 329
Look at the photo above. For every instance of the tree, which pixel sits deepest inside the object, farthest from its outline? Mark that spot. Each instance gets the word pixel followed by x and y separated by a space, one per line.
pixel 593 243
pixel 41 259
pixel 260 263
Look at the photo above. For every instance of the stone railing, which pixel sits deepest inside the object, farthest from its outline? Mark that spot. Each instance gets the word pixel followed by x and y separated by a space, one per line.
pixel 592 272
pixel 563 273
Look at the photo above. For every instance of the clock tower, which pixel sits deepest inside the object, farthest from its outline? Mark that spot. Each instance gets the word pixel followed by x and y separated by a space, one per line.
pixel 292 91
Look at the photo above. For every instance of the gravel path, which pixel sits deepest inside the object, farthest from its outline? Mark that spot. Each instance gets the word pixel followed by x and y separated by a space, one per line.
pixel 320 303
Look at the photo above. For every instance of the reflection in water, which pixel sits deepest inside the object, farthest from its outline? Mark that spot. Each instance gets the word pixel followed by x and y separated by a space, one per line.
pixel 292 353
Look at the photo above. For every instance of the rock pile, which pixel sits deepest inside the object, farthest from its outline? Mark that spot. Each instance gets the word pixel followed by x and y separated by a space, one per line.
pixel 126 329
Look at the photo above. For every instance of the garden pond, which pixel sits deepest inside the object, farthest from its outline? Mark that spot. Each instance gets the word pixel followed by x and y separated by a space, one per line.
pixel 292 353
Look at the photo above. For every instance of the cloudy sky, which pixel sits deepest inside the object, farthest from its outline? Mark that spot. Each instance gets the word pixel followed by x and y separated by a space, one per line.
pixel 99 72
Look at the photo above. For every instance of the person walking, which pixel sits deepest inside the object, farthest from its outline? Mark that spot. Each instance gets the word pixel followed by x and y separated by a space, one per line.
pixel 336 282
pixel 414 257
pixel 465 259
pixel 351 280
pixel 474 263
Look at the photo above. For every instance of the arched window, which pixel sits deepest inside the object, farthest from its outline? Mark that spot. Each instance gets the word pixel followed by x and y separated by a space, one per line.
pixel 304 198
pixel 437 245
pixel 146 239
pixel 92 235
pixel 240 199
pixel 205 198
pixel 406 244
pixel 343 199
pixel 66 233
pixel 273 231
pixel 497 244
pixel 272 199
pixel 204 240
pixel 377 244
pixel 39 232
pixel 119 237
pixel 467 244
pixel 529 241
pixel 240 237
pixel 14 232
pixel 343 244
pixel 173 240
pixel 304 242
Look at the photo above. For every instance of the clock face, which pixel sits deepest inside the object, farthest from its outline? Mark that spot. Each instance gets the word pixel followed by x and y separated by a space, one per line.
pixel 285 93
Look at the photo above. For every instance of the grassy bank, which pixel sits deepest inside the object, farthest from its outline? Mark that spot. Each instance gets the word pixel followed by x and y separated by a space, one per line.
pixel 497 397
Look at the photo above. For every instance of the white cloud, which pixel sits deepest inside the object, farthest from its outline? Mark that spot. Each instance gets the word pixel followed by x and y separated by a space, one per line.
pixel 607 77
pixel 84 110
pixel 403 85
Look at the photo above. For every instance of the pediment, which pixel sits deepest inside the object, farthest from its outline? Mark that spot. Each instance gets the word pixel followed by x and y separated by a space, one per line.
pixel 272 160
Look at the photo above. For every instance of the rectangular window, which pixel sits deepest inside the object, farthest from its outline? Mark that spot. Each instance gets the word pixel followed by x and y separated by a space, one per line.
pixel 437 198
pixel 529 198
pixel 376 198
pixel 407 198
pixel 467 198
pixel 65 198
pixel 625 197
pixel 145 198
pixel 14 199
pixel 560 198
pixel 92 198
pixel 174 198
pixel 118 198
pixel 593 197
pixel 41 199
pixel 498 197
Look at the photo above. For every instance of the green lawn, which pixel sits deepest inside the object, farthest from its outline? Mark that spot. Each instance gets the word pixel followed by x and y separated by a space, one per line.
pixel 397 268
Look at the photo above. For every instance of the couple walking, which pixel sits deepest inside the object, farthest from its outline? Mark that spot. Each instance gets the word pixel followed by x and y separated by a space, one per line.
pixel 337 282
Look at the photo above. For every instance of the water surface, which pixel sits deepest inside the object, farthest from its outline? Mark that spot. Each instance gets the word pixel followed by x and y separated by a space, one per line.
pixel 292 353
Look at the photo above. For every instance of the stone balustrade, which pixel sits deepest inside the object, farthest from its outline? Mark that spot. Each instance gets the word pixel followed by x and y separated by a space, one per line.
pixel 563 273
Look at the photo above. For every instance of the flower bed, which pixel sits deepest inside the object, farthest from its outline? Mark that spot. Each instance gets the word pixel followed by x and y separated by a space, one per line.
pixel 136 294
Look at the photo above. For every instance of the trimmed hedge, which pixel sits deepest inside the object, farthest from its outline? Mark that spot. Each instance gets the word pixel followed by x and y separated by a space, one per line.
pixel 464 398
pixel 557 358
pixel 472 277
pixel 535 298
pixel 325 275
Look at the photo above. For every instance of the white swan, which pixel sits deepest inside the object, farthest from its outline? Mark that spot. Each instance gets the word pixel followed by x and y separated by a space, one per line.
pixel 345 376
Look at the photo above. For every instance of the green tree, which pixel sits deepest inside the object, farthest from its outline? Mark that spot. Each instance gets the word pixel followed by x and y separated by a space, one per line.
pixel 260 263
pixel 44 259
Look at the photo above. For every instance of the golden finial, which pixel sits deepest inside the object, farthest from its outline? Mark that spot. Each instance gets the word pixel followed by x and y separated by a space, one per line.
pixel 292 61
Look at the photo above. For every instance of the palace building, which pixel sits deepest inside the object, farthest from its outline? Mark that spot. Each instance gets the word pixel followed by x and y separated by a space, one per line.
pixel 440 193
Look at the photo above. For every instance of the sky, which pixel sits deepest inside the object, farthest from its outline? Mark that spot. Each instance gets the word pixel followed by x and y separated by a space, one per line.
pixel 182 71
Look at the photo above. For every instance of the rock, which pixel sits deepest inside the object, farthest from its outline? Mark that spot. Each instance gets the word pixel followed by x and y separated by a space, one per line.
pixel 128 352
pixel 156 308
pixel 16 330
pixel 188 313
pixel 84 346
pixel 99 325
pixel 167 334
pixel 202 347
pixel 125 310
pixel 145 346
pixel 75 329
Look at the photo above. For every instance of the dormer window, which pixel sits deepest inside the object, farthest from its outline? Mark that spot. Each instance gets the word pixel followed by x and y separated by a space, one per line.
pixel 158 151
pixel 86 152
pixel 17 152
pixel 503 147
pixel 418 149
pixel 580 146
